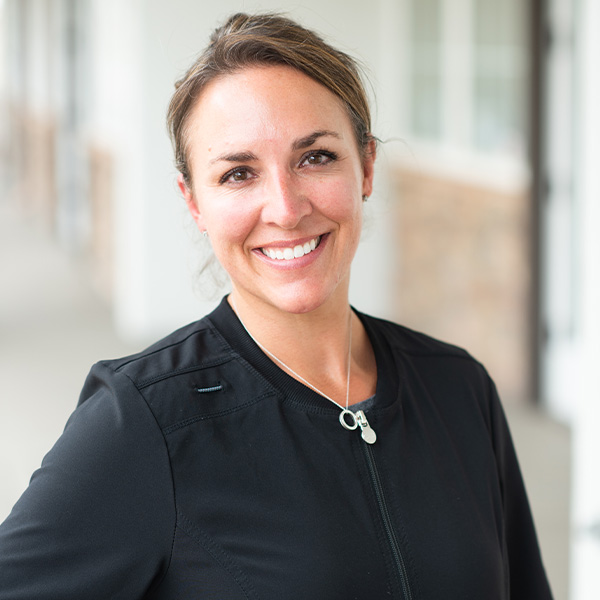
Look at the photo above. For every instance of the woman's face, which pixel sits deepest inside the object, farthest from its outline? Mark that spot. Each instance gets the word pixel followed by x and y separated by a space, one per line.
pixel 278 182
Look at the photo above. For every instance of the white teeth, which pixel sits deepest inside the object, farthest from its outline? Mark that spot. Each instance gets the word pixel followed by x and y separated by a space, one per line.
pixel 291 253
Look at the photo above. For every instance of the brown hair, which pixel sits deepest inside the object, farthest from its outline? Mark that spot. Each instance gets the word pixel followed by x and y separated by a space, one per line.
pixel 264 39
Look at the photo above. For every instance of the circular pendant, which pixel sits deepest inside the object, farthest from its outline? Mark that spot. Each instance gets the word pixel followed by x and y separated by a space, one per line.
pixel 348 419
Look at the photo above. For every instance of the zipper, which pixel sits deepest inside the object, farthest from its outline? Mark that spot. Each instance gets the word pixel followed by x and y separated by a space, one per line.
pixel 351 421
pixel 383 509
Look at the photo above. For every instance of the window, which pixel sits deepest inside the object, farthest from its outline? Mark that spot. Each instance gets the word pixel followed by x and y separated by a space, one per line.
pixel 425 69
pixel 467 74
pixel 499 74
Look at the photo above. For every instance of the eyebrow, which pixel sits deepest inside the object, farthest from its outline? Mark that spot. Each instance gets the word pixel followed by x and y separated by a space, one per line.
pixel 236 157
pixel 299 144
pixel 309 140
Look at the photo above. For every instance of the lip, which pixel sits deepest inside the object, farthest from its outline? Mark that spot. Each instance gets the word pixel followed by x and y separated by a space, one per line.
pixel 296 263
pixel 289 243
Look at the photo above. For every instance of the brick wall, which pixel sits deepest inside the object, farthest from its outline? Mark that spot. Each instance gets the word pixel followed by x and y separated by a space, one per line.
pixel 463 271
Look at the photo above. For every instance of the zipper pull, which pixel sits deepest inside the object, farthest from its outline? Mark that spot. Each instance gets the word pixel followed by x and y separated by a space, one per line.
pixel 351 421
pixel 366 432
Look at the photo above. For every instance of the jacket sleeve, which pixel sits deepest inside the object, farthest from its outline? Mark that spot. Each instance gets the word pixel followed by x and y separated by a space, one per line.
pixel 527 576
pixel 98 517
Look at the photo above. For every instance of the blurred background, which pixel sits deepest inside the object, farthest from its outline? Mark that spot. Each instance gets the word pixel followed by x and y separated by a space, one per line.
pixel 482 229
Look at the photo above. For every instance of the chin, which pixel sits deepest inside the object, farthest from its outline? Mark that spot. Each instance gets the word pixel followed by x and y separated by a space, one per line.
pixel 300 302
pixel 298 297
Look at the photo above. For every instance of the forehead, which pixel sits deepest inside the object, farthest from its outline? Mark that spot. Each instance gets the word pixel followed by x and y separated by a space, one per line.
pixel 266 101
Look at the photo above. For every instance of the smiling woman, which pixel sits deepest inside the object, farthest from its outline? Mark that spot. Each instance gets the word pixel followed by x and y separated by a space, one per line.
pixel 275 165
pixel 223 461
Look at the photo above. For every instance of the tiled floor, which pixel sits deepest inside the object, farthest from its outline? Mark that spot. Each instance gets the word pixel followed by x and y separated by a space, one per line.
pixel 53 327
pixel 544 449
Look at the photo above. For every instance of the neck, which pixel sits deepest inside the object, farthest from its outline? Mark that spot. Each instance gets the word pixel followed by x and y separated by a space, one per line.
pixel 313 347
pixel 299 338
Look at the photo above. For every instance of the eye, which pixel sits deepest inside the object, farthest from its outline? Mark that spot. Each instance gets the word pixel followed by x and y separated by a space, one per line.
pixel 237 175
pixel 318 157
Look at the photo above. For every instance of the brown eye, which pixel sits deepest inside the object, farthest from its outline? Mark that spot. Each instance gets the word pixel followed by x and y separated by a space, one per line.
pixel 318 158
pixel 315 159
pixel 239 175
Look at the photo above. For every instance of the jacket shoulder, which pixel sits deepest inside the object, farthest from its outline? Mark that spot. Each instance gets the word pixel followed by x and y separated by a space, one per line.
pixel 190 375
pixel 193 347
pixel 411 342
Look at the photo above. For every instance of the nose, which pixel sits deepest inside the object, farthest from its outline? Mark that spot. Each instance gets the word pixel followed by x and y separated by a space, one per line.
pixel 285 203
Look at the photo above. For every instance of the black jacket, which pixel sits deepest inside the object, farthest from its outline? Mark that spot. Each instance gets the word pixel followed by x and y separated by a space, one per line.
pixel 199 470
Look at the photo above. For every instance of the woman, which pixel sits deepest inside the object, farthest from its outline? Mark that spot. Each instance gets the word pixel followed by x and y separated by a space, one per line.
pixel 285 446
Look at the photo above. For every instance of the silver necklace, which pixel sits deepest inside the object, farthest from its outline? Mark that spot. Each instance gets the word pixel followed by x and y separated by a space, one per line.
pixel 348 419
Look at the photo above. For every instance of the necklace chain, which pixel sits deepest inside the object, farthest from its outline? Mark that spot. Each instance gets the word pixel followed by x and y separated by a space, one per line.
pixel 299 377
pixel 348 419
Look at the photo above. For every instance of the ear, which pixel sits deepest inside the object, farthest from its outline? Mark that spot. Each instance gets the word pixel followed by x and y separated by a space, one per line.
pixel 369 167
pixel 192 205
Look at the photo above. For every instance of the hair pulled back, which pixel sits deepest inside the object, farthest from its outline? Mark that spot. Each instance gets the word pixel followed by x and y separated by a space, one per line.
pixel 267 39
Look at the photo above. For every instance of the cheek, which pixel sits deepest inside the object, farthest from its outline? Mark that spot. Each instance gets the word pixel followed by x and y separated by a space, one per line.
pixel 341 203
pixel 229 222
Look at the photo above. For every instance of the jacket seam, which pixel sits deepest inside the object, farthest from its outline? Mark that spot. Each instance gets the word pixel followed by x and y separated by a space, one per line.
pixel 218 554
pixel 439 354
pixel 172 482
pixel 146 354
pixel 223 413
pixel 236 355
pixel 172 373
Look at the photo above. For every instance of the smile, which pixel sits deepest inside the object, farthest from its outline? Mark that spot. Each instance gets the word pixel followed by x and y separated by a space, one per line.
pixel 290 253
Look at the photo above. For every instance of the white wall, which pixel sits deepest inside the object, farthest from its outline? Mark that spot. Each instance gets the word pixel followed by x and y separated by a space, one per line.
pixel 586 426
pixel 561 279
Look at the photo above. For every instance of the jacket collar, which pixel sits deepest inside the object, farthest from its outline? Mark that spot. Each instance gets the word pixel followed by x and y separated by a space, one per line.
pixel 226 322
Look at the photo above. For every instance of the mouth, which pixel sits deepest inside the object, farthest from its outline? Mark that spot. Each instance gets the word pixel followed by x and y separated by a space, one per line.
pixel 292 252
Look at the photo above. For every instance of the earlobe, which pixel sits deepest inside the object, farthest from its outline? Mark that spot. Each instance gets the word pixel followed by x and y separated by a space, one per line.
pixel 191 202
